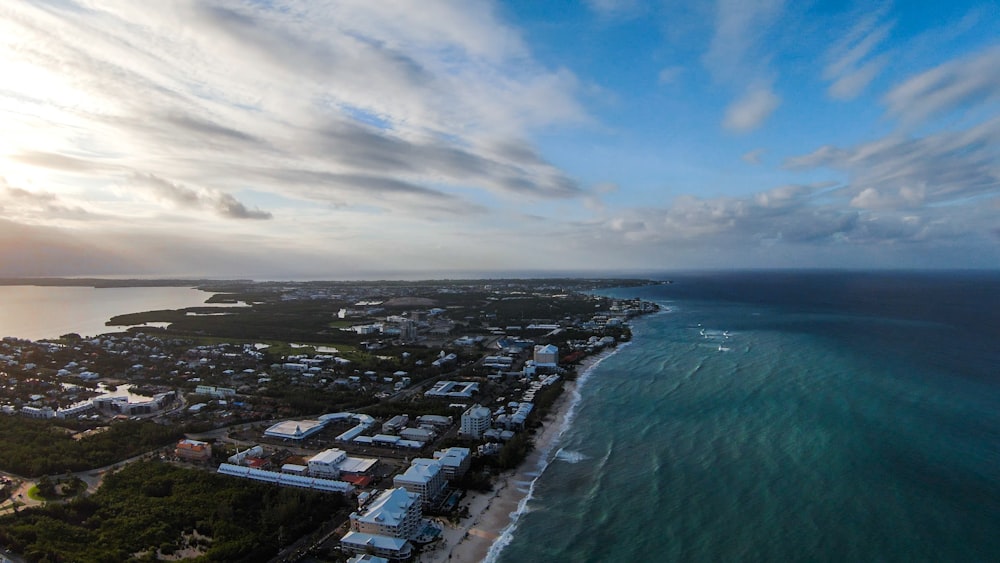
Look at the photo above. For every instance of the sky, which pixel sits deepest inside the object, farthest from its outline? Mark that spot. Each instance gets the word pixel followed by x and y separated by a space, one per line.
pixel 333 139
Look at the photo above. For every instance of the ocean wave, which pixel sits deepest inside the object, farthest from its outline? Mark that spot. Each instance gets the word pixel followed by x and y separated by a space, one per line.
pixel 507 534
pixel 569 456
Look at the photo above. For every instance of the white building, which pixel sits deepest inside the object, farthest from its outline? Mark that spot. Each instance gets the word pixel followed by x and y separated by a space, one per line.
pixel 326 464
pixel 546 356
pixel 424 477
pixel 475 421
pixel 395 513
pixel 295 429
pixel 385 526
pixel 454 461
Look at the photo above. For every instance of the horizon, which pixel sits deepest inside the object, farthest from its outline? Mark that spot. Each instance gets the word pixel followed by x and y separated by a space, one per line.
pixel 305 138
pixel 529 275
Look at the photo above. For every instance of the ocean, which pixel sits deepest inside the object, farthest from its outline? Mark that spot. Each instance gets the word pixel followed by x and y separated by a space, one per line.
pixel 783 417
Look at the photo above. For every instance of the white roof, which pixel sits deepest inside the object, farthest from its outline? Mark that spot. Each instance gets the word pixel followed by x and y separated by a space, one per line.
pixel 329 457
pixel 378 542
pixel 296 429
pixel 357 464
pixel 421 470
pixel 390 508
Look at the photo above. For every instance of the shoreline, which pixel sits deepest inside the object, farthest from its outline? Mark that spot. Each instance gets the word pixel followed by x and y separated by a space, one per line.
pixel 492 514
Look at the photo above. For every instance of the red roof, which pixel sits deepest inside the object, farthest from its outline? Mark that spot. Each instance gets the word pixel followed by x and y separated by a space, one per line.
pixel 357 480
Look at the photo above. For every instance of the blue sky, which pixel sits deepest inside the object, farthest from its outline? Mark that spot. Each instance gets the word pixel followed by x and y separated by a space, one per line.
pixel 307 139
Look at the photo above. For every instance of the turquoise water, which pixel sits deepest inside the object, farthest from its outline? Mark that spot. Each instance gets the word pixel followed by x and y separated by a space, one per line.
pixel 770 429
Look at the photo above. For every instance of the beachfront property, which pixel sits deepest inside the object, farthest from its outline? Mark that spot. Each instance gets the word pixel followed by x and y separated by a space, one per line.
pixel 453 389
pixel 385 526
pixel 546 356
pixel 394 513
pixel 454 462
pixel 425 477
pixel 367 558
pixel 475 421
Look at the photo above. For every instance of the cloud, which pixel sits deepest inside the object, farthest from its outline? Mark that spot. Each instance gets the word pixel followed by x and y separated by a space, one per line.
pixel 750 111
pixel 353 103
pixel 36 205
pixel 753 157
pixel 901 172
pixel 222 204
pixel 613 8
pixel 966 82
pixel 670 74
pixel 852 65
pixel 739 55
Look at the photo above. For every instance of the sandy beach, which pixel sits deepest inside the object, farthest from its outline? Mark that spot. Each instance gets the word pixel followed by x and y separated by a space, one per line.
pixel 490 513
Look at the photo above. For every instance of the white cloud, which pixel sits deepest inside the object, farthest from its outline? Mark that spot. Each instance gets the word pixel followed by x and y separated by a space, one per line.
pixel 670 74
pixel 961 83
pixel 750 111
pixel 852 65
pixel 342 103
pixel 739 55
pixel 900 172
pixel 753 157
pixel 613 8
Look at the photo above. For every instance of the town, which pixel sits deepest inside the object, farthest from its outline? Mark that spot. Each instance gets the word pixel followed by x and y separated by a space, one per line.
pixel 396 397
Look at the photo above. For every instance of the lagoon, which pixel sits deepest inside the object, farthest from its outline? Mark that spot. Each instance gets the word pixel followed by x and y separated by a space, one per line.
pixel 36 312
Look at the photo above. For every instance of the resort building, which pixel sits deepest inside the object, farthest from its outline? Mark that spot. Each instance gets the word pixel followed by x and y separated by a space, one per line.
pixel 546 356
pixel 385 526
pixel 454 462
pixel 367 558
pixel 424 477
pixel 475 421
pixel 395 513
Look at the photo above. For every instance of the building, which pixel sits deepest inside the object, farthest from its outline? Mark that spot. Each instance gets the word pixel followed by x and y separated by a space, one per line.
pixel 475 421
pixel 454 462
pixel 416 434
pixel 546 356
pixel 394 513
pixel 193 450
pixel 366 558
pixel 380 546
pixel 395 423
pixel 294 429
pixel 326 464
pixel 385 526
pixel 453 389
pixel 424 477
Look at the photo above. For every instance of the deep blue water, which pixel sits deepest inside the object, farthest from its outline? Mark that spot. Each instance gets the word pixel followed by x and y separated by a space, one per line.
pixel 784 417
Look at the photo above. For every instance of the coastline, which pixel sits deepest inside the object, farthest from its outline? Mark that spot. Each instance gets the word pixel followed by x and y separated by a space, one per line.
pixel 493 515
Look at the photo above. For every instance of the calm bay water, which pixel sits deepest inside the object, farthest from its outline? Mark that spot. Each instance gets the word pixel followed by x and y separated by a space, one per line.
pixel 35 312
pixel 784 418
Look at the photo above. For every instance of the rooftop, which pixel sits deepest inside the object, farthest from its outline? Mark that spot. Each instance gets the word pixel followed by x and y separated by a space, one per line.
pixel 390 508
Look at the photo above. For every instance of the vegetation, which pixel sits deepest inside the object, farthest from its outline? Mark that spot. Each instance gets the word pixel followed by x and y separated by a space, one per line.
pixel 34 447
pixel 152 507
